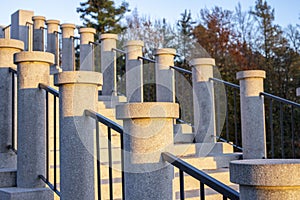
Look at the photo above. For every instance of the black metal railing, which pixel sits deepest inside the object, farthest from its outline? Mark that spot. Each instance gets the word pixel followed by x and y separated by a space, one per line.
pixel 52 182
pixel 13 145
pixel 203 178
pixel 181 70
pixel 110 126
pixel 282 127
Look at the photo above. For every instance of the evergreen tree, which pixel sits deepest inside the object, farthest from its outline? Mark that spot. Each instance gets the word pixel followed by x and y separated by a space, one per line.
pixel 103 15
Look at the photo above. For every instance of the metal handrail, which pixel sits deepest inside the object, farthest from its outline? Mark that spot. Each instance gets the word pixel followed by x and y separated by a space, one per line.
pixel 118 50
pixel 204 178
pixel 181 70
pixel 49 185
pixel 147 59
pixel 12 70
pixel 229 142
pixel 280 99
pixel 49 89
pixel 225 82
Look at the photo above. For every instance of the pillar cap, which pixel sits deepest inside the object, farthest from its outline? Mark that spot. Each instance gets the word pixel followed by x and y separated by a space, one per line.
pixel 38 18
pixel 266 172
pixel 52 21
pixel 68 25
pixel 203 61
pixel 87 30
pixel 34 56
pixel 11 43
pixel 78 77
pixel 134 43
pixel 108 36
pixel 147 110
pixel 168 51
pixel 251 74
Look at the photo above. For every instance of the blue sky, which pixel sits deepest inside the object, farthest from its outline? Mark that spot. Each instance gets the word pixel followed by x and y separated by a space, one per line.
pixel 287 12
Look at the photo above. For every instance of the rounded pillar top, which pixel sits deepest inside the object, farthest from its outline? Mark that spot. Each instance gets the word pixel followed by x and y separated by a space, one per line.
pixel 266 172
pixel 87 30
pixel 78 77
pixel 35 18
pixel 134 43
pixel 52 25
pixel 34 56
pixel 203 62
pixel 38 22
pixel 108 36
pixel 11 43
pixel 251 74
pixel 67 30
pixel 87 35
pixel 52 21
pixel 165 51
pixel 147 110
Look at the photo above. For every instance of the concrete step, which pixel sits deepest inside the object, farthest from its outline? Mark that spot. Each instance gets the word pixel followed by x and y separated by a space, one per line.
pixel 8 177
pixel 183 128
pixel 111 101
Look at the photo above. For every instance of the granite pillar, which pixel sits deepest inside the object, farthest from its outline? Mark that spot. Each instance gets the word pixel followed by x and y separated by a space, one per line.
pixel 53 43
pixel 86 49
pixel 165 78
pixel 2 35
pixel 134 71
pixel 38 33
pixel 148 131
pixel 78 91
pixel 203 100
pixel 252 113
pixel 68 49
pixel 8 47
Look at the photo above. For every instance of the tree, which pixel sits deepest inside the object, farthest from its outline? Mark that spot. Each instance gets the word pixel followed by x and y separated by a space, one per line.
pixel 103 15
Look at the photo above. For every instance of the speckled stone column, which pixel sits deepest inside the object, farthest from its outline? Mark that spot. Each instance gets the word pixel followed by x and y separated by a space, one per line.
pixel 252 113
pixel 263 179
pixel 78 91
pixel 68 50
pixel 165 82
pixel 53 43
pixel 38 33
pixel 86 49
pixel 8 48
pixel 148 131
pixel 19 26
pixel 2 35
pixel 33 68
pixel 203 100
pixel 108 63
pixel 134 71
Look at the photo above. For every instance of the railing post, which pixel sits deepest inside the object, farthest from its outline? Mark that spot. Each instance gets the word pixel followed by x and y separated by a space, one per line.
pixel 165 80
pixel 134 71
pixel 8 48
pixel 266 178
pixel 108 63
pixel 148 131
pixel 86 49
pixel 252 113
pixel 68 49
pixel 78 90
pixel 38 33
pixel 53 43
pixel 203 100
pixel 19 26
pixel 33 68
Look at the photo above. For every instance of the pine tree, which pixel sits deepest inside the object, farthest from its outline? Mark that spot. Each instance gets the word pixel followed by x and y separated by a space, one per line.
pixel 103 15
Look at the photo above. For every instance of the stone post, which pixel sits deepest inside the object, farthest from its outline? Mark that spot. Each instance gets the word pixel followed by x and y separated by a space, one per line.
pixel 203 100
pixel 53 43
pixel 267 179
pixel 165 82
pixel 108 63
pixel 78 91
pixel 68 50
pixel 20 26
pixel 86 49
pixel 134 71
pixel 38 33
pixel 8 48
pixel 148 131
pixel 252 113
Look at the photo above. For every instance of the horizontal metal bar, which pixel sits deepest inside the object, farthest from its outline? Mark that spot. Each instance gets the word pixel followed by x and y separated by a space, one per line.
pixel 11 70
pixel 201 176
pixel 6 27
pixel 49 184
pixel 94 43
pixel 181 69
pixel 49 89
pixel 279 99
pixel 147 59
pixel 75 38
pixel 118 50
pixel 230 143
pixel 28 23
pixel 57 32
pixel 225 82
pixel 109 123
